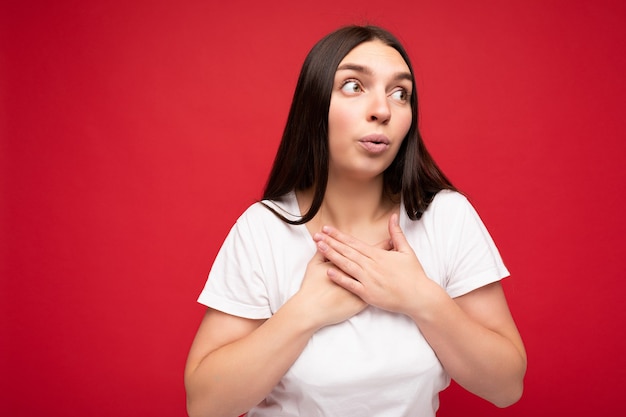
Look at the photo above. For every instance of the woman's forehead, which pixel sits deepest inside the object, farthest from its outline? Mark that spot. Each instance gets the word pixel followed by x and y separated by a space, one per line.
pixel 374 54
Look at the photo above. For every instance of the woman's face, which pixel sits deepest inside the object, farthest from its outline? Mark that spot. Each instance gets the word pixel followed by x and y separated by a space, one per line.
pixel 370 111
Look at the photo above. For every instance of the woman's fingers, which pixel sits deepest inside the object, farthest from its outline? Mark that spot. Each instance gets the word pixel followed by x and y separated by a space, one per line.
pixel 344 239
pixel 343 256
pixel 352 256
pixel 345 281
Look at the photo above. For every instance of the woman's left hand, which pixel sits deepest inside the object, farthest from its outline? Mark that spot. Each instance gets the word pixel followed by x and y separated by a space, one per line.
pixel 388 279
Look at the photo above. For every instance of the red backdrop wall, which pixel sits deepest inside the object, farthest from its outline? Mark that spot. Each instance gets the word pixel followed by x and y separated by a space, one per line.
pixel 134 133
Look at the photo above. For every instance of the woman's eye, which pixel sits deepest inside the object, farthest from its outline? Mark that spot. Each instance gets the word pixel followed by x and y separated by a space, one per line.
pixel 401 95
pixel 351 87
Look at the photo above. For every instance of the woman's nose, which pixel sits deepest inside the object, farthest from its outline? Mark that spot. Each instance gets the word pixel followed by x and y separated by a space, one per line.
pixel 379 110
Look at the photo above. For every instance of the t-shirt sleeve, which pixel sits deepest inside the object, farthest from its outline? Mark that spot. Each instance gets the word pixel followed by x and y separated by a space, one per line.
pixel 235 284
pixel 474 258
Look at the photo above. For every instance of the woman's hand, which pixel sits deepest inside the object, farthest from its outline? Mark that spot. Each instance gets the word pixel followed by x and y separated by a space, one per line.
pixel 388 279
pixel 326 303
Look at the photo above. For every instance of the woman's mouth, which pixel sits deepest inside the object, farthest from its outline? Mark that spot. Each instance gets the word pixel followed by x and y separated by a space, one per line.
pixel 374 143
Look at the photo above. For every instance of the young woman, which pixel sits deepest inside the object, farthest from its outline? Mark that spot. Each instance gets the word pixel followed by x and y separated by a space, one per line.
pixel 363 281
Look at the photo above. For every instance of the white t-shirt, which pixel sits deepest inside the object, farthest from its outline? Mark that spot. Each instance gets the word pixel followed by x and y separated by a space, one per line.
pixel 377 363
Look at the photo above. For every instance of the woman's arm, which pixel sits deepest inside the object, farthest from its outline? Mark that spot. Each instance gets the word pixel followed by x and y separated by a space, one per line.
pixel 477 342
pixel 235 362
pixel 473 336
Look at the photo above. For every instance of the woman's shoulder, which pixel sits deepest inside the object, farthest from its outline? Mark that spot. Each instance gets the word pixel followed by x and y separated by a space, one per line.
pixel 267 211
pixel 449 201
pixel 448 210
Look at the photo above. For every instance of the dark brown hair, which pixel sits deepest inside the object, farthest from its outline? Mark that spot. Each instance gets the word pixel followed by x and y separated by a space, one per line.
pixel 302 158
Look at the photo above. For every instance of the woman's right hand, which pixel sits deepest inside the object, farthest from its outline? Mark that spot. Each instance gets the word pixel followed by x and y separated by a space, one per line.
pixel 325 302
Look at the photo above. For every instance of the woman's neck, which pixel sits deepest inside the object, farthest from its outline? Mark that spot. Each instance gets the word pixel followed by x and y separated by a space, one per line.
pixel 359 209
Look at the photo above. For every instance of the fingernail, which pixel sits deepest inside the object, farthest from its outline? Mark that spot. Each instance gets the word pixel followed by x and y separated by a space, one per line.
pixel 322 246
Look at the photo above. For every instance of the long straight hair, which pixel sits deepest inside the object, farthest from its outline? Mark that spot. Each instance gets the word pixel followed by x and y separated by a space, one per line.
pixel 302 158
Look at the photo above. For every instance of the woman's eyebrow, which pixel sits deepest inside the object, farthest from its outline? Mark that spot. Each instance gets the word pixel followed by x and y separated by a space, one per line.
pixel 355 67
pixel 402 75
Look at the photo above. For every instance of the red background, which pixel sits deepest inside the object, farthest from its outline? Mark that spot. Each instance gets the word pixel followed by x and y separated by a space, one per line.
pixel 134 133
